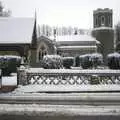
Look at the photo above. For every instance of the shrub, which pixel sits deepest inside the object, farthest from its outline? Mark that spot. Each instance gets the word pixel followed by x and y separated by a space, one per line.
pixel 97 59
pixel 9 64
pixel 113 61
pixel 52 62
pixel 86 61
pixel 68 62
pixel 91 60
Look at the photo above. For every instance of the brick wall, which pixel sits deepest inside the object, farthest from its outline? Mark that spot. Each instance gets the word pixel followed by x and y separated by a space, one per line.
pixel 7 88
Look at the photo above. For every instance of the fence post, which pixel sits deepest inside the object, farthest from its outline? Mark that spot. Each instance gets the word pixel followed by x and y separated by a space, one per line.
pixel 21 76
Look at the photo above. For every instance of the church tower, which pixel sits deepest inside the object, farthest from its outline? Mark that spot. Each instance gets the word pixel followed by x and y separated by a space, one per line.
pixel 103 31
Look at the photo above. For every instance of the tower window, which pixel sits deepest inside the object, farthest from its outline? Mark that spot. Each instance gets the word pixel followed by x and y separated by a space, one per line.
pixel 96 21
pixel 102 20
pixel 109 20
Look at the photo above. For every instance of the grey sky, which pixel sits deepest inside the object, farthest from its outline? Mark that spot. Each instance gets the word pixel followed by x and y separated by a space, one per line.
pixel 62 12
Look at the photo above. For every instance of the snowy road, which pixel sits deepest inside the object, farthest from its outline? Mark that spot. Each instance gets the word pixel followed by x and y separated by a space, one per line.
pixel 60 106
pixel 66 110
pixel 61 98
pixel 58 112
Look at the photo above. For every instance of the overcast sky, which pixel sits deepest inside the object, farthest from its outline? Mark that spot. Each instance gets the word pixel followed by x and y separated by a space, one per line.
pixel 62 12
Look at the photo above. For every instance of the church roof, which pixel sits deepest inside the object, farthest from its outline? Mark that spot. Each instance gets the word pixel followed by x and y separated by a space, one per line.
pixel 16 30
pixel 76 39
pixel 77 47
pixel 103 28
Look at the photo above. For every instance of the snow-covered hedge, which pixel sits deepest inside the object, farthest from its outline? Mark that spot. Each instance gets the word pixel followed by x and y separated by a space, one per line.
pixel 9 64
pixel 113 60
pixel 97 59
pixel 68 62
pixel 85 61
pixel 52 62
pixel 77 61
pixel 91 60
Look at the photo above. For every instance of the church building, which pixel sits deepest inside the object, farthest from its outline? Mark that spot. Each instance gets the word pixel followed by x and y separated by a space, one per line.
pixel 19 36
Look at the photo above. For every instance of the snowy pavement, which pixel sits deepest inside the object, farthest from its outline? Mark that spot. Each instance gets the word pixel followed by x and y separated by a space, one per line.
pixel 58 112
pixel 94 99
pixel 67 88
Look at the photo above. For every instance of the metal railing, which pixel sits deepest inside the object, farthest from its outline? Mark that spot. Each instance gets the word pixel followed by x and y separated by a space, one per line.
pixel 69 77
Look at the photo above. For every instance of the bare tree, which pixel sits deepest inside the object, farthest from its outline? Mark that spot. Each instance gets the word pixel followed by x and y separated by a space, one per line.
pixel 3 11
pixel 49 31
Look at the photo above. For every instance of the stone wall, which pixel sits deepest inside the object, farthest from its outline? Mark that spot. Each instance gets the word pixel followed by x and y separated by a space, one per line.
pixel 106 39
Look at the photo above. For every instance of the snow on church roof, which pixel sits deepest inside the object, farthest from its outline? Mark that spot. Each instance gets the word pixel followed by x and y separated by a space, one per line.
pixel 16 30
pixel 77 47
pixel 75 39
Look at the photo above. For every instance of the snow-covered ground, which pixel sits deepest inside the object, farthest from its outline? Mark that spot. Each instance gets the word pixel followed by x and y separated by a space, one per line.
pixel 82 71
pixel 66 88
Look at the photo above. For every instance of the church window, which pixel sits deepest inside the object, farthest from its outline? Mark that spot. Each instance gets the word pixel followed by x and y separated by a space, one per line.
pixel 45 53
pixel 40 55
pixel 42 51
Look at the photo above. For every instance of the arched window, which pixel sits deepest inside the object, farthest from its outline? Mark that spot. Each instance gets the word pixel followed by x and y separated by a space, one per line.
pixel 39 55
pixel 102 20
pixel 42 50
